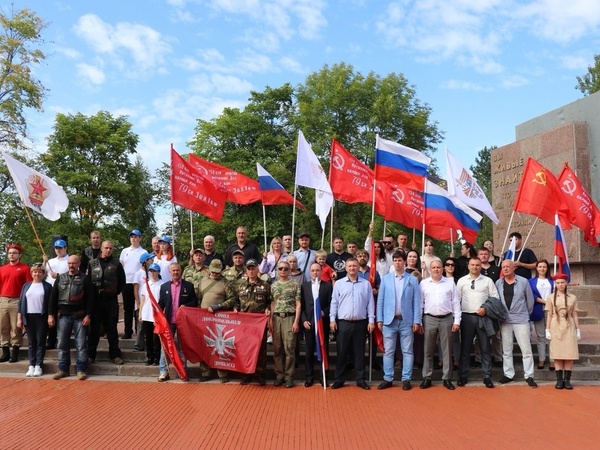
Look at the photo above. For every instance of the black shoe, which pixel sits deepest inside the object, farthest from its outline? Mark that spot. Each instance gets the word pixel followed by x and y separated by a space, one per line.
pixel 488 383
pixel 204 378
pixel 568 384
pixel 289 383
pixel 448 385
pixel 455 368
pixel 426 383
pixel 505 380
pixel 406 385
pixel 337 385
pixel 127 336
pixel 363 385
pixel 156 362
pixel 560 382
pixel 530 382
pixel 224 380
pixel 261 381
pixel 309 383
pixel 384 385
pixel 246 380
pixel 15 355
pixel 462 382
pixel 149 362
pixel 279 382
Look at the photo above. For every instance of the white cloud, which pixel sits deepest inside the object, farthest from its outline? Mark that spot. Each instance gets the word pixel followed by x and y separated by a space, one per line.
pixel 457 85
pixel 68 52
pixel 513 81
pixel 290 64
pixel 91 74
pixel 144 46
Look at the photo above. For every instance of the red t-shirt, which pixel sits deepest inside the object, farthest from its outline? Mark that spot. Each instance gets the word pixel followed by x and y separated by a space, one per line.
pixel 326 273
pixel 12 279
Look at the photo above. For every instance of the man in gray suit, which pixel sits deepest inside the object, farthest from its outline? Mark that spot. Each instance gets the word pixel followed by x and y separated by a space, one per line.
pixel 398 317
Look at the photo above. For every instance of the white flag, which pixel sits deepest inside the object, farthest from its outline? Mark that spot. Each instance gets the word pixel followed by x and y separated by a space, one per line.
pixel 37 191
pixel 310 173
pixel 463 186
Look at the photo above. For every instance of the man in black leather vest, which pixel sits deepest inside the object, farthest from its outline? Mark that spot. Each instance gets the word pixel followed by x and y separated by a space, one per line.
pixel 70 308
pixel 108 279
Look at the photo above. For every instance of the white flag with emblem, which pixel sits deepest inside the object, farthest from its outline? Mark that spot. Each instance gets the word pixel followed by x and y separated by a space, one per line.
pixel 37 191
pixel 463 186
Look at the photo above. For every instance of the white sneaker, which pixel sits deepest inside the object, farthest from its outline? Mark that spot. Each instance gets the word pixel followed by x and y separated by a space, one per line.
pixel 29 372
pixel 37 372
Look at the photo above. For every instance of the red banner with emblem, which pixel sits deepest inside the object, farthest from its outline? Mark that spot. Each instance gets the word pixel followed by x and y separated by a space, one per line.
pixel 400 204
pixel 350 179
pixel 224 340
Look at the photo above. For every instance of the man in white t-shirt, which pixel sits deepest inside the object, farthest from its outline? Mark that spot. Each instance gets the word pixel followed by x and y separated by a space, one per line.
pixel 130 260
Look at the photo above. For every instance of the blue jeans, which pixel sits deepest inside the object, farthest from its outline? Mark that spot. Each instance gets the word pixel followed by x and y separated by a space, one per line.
pixel 391 333
pixel 162 363
pixel 66 325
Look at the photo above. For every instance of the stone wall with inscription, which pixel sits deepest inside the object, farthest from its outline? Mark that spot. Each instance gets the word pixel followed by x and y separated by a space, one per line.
pixel 569 143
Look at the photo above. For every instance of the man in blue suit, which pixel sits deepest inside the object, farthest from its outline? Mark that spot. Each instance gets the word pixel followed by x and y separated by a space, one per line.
pixel 398 317
pixel 174 295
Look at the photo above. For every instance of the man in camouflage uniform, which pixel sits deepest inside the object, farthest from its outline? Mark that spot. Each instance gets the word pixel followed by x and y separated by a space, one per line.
pixel 235 273
pixel 254 296
pixel 285 324
pixel 196 271
pixel 216 294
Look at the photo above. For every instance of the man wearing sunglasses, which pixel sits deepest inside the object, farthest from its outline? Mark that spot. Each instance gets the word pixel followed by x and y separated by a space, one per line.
pixel 473 290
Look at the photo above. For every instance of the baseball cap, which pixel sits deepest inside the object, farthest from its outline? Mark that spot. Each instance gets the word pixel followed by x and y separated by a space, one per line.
pixel 154 267
pixel 251 262
pixel 60 243
pixel 215 266
pixel 146 256
pixel 135 232
pixel 166 239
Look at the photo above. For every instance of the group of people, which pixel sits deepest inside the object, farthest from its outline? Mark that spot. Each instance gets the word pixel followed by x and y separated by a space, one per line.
pixel 421 305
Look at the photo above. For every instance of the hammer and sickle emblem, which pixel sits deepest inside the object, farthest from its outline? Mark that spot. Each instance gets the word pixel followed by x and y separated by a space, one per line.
pixel 398 196
pixel 540 178
pixel 338 161
pixel 569 187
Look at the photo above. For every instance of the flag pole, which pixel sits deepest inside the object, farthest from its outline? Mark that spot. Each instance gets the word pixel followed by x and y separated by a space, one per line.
pixel 527 238
pixel 323 373
pixel 173 226
pixel 384 228
pixel 191 230
pixel 512 215
pixel 37 238
pixel 265 227
pixel 331 229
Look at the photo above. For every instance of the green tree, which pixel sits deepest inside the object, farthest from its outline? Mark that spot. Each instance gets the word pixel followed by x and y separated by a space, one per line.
pixel 482 171
pixel 91 157
pixel 590 82
pixel 20 37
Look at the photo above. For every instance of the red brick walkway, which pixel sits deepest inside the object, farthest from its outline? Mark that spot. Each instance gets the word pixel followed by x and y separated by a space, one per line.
pixel 97 414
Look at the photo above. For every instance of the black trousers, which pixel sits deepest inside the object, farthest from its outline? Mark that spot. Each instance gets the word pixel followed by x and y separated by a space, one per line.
pixel 128 308
pixel 37 327
pixel 152 341
pixel 105 316
pixel 351 334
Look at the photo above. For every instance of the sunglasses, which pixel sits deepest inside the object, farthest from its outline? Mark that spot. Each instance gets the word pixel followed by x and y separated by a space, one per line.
pixel 284 269
pixel 473 284
pixel 388 242
pixel 449 264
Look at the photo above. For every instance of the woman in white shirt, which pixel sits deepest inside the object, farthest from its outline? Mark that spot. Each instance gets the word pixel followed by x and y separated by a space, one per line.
pixel 147 317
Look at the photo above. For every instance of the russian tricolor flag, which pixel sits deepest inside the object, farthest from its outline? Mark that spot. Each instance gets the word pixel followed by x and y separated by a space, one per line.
pixel 443 210
pixel 400 165
pixel 560 249
pixel 271 191
pixel 320 335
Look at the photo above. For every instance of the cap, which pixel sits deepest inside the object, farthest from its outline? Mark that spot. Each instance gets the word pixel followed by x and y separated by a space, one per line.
pixel 136 232
pixel 215 266
pixel 166 239
pixel 251 262
pixel 560 276
pixel 37 266
pixel 154 267
pixel 304 234
pixel 14 246
pixel 146 256
pixel 201 250
pixel 60 243
pixel 238 252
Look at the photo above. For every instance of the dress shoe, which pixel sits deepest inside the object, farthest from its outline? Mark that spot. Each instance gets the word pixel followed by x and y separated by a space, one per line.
pixel 426 383
pixel 224 380
pixel 384 385
pixel 462 382
pixel 363 385
pixel 531 382
pixel 149 362
pixel 126 336
pixel 246 380
pixel 279 382
pixel 289 383
pixel 337 385
pixel 406 385
pixel 488 383
pixel 448 385
pixel 309 383
pixel 204 378
pixel 541 365
pixel 505 380
pixel 261 381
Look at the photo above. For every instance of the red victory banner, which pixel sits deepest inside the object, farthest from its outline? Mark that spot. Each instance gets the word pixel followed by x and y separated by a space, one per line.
pixel 350 179
pixel 223 340
pixel 241 189
pixel 191 190
pixel 587 215
pixel 400 204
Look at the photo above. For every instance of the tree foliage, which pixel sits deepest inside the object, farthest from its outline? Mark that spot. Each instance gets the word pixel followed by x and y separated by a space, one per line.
pixel 20 36
pixel 590 82
pixel 333 102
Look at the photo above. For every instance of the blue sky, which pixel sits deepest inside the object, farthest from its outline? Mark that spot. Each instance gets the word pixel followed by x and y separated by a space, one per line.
pixel 483 66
